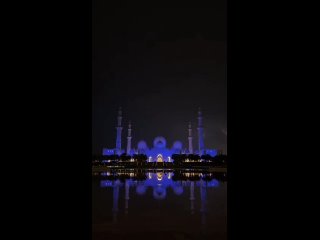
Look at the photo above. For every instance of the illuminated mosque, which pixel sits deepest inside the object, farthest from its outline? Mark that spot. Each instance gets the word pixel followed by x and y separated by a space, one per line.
pixel 160 183
pixel 159 152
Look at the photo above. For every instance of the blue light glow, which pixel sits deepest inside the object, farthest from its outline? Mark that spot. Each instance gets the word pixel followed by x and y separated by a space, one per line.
pixel 159 193
pixel 159 182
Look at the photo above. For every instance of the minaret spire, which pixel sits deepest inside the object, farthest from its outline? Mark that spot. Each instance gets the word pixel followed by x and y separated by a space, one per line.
pixel 129 139
pixel 115 208
pixel 200 133
pixel 190 139
pixel 192 198
pixel 203 197
pixel 119 129
pixel 127 197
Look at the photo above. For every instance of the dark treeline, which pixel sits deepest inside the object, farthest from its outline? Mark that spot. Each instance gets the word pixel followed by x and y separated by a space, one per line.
pixel 123 177
pixel 196 176
pixel 177 176
pixel 179 160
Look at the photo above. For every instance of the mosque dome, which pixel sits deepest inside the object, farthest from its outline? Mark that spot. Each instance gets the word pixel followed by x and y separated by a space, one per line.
pixel 178 190
pixel 159 142
pixel 141 189
pixel 213 183
pixel 177 145
pixel 159 193
pixel 142 145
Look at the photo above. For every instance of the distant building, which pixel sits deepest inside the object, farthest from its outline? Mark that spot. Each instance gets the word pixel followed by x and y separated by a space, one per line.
pixel 159 152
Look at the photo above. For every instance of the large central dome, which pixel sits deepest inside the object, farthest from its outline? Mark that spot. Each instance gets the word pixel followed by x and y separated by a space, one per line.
pixel 159 142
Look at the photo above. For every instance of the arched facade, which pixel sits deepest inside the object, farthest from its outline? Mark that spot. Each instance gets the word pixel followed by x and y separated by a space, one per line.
pixel 159 152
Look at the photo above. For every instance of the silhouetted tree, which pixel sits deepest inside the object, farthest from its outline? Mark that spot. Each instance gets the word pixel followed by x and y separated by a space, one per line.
pixel 196 157
pixel 179 159
pixel 220 160
pixel 206 157
pixel 114 157
pixel 140 159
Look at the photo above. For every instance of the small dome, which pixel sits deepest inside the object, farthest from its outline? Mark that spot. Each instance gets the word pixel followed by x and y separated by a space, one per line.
pixel 141 189
pixel 159 142
pixel 177 145
pixel 142 145
pixel 178 190
pixel 213 183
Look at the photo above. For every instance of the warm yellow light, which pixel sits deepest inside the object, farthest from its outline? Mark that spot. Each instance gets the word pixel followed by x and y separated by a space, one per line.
pixel 159 158
pixel 159 176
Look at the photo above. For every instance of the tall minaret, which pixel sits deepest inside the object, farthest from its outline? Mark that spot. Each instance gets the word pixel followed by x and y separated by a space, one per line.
pixel 115 208
pixel 200 133
pixel 119 129
pixel 203 197
pixel 127 197
pixel 192 198
pixel 190 139
pixel 129 139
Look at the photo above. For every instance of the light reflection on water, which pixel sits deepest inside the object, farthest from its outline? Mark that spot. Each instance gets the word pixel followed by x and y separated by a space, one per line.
pixel 192 205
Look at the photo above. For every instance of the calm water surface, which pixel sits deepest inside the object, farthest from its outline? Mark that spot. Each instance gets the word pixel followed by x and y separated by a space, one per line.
pixel 159 204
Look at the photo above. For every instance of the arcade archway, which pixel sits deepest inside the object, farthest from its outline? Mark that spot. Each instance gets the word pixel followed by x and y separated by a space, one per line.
pixel 159 158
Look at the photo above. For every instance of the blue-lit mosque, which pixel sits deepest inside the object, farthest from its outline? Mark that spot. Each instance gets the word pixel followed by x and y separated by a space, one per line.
pixel 160 183
pixel 159 152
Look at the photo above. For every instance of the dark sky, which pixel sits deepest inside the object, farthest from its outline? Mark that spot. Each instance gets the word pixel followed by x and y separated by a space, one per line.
pixel 159 65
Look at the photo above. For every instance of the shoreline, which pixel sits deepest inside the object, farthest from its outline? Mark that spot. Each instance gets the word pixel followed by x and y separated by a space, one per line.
pixel 211 169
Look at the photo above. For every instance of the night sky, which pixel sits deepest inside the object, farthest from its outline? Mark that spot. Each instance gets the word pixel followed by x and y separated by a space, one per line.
pixel 159 65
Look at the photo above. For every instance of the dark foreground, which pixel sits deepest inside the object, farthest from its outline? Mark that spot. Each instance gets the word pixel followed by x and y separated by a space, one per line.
pixel 159 204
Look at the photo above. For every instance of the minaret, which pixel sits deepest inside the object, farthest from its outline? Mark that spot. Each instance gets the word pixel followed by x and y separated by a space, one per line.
pixel 190 139
pixel 203 197
pixel 192 198
pixel 129 139
pixel 119 129
pixel 127 187
pixel 115 200
pixel 200 133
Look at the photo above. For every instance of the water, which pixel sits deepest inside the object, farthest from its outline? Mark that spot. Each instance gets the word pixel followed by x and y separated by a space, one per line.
pixel 159 204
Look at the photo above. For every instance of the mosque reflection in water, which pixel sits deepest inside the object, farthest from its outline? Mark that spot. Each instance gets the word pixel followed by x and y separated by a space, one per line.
pixel 160 182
